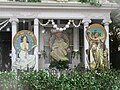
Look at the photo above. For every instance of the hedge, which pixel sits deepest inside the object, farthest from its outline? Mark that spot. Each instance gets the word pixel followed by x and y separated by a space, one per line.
pixel 41 80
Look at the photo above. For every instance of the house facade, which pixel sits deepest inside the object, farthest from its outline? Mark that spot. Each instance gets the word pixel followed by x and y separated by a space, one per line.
pixel 42 22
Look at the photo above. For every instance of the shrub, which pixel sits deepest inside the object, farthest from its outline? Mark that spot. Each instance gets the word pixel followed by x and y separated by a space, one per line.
pixel 74 80
pixel 8 81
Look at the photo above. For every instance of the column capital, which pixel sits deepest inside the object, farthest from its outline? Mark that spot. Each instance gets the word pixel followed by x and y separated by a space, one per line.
pixel 36 21
pixel 86 21
pixel 106 21
pixel 14 20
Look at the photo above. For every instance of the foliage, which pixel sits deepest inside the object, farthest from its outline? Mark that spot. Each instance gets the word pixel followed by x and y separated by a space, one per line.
pixel 8 81
pixel 112 1
pixel 92 80
pixel 34 80
pixel 76 53
pixel 61 65
pixel 115 31
pixel 80 67
pixel 92 2
pixel 41 80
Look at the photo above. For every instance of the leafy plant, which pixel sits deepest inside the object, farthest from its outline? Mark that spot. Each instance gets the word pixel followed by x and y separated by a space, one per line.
pixel 8 81
pixel 60 65
pixel 75 53
pixel 74 80
pixel 92 2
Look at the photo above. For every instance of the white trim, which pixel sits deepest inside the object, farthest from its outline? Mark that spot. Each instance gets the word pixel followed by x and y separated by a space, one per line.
pixel 106 26
pixel 42 64
pixel 86 22
pixel 51 5
pixel 14 31
pixel 36 32
pixel 76 45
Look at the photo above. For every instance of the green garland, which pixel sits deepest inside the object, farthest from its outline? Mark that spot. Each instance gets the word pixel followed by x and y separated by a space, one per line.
pixel 92 2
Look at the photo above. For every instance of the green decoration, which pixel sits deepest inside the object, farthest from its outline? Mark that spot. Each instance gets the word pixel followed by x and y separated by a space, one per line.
pixel 92 2
pixel 60 65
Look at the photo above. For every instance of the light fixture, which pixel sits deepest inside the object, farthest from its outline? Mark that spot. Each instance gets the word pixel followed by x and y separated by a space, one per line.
pixel 24 21
pixel 8 29
pixel 43 31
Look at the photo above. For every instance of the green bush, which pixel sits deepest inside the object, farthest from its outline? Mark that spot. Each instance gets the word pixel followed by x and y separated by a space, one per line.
pixel 92 2
pixel 8 81
pixel 41 80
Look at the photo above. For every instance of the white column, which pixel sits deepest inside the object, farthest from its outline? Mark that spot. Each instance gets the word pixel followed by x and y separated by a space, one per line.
pixel 76 39
pixel 76 60
pixel 14 22
pixel 106 26
pixel 86 46
pixel 42 60
pixel 36 32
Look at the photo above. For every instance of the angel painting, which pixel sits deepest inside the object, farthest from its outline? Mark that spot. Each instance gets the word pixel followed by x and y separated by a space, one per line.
pixel 24 43
pixel 96 36
pixel 59 44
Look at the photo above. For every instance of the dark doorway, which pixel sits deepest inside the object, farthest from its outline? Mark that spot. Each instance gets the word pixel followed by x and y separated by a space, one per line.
pixel 5 50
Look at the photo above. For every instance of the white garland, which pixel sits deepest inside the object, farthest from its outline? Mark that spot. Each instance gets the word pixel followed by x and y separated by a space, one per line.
pixel 45 23
pixel 55 26
pixel 4 23
pixel 76 25
pixel 62 28
pixel 3 26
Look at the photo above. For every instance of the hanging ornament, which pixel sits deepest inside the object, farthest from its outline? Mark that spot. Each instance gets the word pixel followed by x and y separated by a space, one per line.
pixel 57 28
pixel 45 23
pixel 64 28
pixel 43 31
pixel 61 28
pixel 54 26
pixel 67 26
pixel 76 25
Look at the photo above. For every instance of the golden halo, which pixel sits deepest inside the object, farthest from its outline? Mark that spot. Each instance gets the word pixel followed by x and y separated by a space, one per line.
pixel 22 33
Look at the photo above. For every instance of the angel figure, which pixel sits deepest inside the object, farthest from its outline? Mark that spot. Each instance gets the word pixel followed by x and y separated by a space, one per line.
pixel 59 44
pixel 96 46
pixel 25 60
